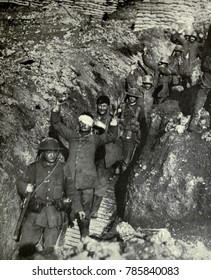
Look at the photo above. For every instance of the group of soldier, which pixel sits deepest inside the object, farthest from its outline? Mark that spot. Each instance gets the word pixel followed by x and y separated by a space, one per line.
pixel 107 139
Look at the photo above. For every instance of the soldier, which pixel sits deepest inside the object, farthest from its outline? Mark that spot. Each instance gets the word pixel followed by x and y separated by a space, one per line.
pixel 205 84
pixel 130 125
pixel 162 76
pixel 177 63
pixel 83 144
pixel 45 179
pixel 101 124
pixel 192 52
pixel 147 91
pixel 132 80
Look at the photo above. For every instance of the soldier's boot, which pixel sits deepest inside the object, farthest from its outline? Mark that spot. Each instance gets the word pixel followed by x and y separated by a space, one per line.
pixel 95 206
pixel 199 104
pixel 84 227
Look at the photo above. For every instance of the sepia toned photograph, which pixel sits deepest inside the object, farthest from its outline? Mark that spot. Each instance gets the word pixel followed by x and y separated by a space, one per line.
pixel 105 134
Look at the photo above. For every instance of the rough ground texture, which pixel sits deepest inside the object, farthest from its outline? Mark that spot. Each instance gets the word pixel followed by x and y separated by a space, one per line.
pixel 57 53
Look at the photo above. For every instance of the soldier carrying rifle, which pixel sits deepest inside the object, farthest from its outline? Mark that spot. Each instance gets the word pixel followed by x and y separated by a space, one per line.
pixel 48 189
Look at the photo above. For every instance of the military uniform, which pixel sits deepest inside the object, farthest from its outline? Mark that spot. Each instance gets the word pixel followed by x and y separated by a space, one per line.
pixel 81 163
pixel 162 78
pixel 147 103
pixel 44 215
pixel 130 133
pixel 103 170
pixel 191 53
pixel 205 84
pixel 177 65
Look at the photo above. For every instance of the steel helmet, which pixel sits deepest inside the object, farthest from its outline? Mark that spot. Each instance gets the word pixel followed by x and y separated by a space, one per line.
pixel 133 92
pixel 193 34
pixel 147 79
pixel 164 60
pixel 49 144
pixel 178 48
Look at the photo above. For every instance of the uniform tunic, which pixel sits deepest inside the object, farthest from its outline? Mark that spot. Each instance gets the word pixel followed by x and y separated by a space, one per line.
pixel 131 132
pixel 50 185
pixel 80 165
pixel 147 101
pixel 82 148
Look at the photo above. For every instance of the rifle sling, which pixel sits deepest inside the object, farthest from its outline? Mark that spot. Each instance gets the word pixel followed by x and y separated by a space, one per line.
pixel 45 179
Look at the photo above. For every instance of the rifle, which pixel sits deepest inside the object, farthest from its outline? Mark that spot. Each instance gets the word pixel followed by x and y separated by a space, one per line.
pixel 24 207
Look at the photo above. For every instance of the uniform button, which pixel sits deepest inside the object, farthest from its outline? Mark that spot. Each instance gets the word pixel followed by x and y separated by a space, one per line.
pixel 49 189
pixel 48 172
pixel 47 197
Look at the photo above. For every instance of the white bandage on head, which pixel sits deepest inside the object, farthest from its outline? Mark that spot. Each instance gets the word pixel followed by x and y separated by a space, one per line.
pixel 86 120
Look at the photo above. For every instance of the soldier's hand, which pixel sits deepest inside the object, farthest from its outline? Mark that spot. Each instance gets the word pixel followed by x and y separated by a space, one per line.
pixel 145 50
pixel 81 215
pixel 114 121
pixel 56 108
pixel 29 188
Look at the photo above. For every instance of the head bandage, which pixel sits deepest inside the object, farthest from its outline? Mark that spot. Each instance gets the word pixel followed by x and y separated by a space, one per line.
pixel 86 120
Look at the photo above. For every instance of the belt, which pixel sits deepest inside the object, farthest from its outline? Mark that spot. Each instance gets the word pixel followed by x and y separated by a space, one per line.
pixel 46 203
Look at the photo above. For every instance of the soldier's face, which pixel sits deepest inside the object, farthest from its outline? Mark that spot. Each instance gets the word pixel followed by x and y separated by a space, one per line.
pixel 50 156
pixel 132 99
pixel 102 109
pixel 192 39
pixel 84 127
pixel 177 53
pixel 147 86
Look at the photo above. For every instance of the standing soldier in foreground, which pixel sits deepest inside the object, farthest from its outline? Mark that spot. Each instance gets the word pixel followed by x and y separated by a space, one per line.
pixel 45 179
pixel 83 144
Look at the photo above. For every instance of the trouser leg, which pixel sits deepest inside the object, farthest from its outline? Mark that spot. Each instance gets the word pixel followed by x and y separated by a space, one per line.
pixel 103 175
pixel 86 201
pixel 96 205
pixel 50 236
pixel 31 233
pixel 199 104
pixel 128 151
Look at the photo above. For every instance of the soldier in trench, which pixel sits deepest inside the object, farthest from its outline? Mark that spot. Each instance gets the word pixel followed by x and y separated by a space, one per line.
pixel 106 155
pixel 147 100
pixel 177 62
pixel 130 125
pixel 49 185
pixel 191 54
pixel 205 84
pixel 83 144
pixel 162 75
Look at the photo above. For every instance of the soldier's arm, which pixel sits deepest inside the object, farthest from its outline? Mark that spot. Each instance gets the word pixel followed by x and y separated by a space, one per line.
pixel 184 43
pixel 28 177
pixel 166 71
pixel 56 123
pixel 149 61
